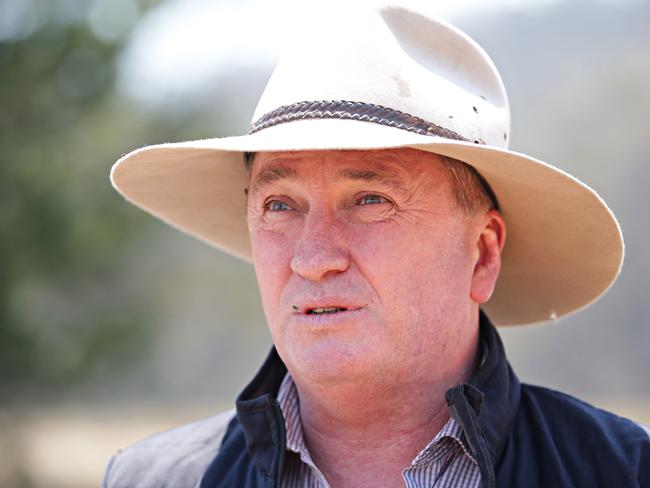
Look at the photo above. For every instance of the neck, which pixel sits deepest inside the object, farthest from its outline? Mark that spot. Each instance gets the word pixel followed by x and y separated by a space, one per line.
pixel 365 433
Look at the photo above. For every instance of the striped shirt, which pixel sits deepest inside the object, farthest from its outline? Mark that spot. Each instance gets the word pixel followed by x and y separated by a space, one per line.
pixel 444 463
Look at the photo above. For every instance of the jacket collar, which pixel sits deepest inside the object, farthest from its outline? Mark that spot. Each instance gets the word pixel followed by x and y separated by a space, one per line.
pixel 485 407
pixel 500 388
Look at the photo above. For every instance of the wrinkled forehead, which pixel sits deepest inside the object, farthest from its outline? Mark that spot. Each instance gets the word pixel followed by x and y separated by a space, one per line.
pixel 393 167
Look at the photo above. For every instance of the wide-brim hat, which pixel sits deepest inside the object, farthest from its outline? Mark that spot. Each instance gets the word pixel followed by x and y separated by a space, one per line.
pixel 390 78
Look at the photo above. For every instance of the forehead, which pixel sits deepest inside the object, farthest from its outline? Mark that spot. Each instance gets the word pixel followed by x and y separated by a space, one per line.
pixel 395 167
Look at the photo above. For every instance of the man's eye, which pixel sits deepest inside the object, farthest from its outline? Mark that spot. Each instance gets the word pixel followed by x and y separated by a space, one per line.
pixel 372 200
pixel 277 206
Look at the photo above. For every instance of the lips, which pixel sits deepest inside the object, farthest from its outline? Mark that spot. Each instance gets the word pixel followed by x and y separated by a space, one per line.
pixel 327 315
pixel 323 305
pixel 323 310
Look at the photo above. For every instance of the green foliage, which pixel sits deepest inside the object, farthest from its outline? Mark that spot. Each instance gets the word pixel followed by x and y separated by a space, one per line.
pixel 62 229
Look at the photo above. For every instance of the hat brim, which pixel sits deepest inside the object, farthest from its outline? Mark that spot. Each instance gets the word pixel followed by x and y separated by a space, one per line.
pixel 564 246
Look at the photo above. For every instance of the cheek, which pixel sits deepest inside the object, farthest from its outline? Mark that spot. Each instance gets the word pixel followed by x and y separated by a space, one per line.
pixel 417 272
pixel 272 257
pixel 413 254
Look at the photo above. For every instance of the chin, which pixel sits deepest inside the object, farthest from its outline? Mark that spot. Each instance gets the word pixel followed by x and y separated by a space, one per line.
pixel 330 362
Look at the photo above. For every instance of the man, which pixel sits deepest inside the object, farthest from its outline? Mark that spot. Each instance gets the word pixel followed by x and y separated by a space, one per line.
pixel 379 193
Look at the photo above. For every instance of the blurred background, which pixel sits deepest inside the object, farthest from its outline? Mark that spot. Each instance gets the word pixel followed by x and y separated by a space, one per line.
pixel 113 326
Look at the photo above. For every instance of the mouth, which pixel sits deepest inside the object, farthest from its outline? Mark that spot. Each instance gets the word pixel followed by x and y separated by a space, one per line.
pixel 325 310
pixel 327 313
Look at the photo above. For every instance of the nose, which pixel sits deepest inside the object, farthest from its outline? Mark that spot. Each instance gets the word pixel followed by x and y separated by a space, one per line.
pixel 320 250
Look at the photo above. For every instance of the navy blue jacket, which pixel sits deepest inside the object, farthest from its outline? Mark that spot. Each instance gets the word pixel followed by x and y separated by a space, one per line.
pixel 520 435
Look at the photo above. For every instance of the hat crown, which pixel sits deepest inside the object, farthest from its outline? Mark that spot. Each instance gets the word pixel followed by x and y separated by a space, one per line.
pixel 395 58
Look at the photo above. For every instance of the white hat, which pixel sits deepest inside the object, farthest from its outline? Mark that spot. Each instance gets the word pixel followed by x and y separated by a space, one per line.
pixel 385 78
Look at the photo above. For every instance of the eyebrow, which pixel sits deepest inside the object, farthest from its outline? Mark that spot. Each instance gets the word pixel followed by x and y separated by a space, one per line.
pixel 271 174
pixel 276 173
pixel 383 177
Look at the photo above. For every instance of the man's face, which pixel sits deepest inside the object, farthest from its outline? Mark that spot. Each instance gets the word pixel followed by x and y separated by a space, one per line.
pixel 363 260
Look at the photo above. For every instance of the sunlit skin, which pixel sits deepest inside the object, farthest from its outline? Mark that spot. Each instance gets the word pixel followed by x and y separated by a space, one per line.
pixel 378 235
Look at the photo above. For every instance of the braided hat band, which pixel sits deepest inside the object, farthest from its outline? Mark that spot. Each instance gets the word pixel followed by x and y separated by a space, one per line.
pixel 347 110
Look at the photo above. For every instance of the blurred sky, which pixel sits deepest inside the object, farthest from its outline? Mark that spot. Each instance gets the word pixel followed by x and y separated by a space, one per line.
pixel 183 44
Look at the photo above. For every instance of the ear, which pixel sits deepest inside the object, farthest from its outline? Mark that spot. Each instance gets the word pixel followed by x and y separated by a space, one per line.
pixel 491 238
